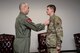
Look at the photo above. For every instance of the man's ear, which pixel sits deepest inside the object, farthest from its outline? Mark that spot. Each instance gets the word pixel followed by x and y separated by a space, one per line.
pixel 52 10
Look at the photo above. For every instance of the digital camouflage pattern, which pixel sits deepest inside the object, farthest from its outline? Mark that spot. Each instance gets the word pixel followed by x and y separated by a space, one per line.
pixel 54 34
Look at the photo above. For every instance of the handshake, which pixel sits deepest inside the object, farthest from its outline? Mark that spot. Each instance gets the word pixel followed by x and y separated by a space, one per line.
pixel 46 22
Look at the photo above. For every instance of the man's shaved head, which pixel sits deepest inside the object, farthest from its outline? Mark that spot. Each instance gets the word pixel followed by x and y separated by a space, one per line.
pixel 21 4
pixel 24 8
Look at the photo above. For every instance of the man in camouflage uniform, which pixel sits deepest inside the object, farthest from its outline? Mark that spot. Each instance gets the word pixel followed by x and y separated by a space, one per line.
pixel 23 28
pixel 54 31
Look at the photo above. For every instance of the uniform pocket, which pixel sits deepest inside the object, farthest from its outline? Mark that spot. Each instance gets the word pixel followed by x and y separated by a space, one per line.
pixel 51 40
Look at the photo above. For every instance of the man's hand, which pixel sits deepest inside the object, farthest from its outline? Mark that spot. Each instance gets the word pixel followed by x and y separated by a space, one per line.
pixel 46 22
pixel 58 48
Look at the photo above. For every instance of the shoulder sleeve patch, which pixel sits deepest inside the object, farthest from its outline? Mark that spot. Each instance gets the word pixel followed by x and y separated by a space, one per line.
pixel 28 20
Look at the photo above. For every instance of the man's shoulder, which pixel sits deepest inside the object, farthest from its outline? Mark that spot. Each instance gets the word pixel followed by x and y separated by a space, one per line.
pixel 22 17
pixel 57 17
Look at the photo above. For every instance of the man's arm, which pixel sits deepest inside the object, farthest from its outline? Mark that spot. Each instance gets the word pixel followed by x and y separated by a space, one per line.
pixel 59 30
pixel 36 27
pixel 59 33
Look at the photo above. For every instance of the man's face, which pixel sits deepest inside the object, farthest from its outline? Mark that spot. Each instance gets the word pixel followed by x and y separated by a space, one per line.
pixel 49 11
pixel 25 8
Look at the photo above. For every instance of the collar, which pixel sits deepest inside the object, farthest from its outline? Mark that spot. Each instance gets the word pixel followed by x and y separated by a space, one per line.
pixel 52 16
pixel 22 13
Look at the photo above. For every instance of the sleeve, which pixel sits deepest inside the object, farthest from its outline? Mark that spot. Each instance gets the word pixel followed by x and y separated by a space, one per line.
pixel 59 30
pixel 36 27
